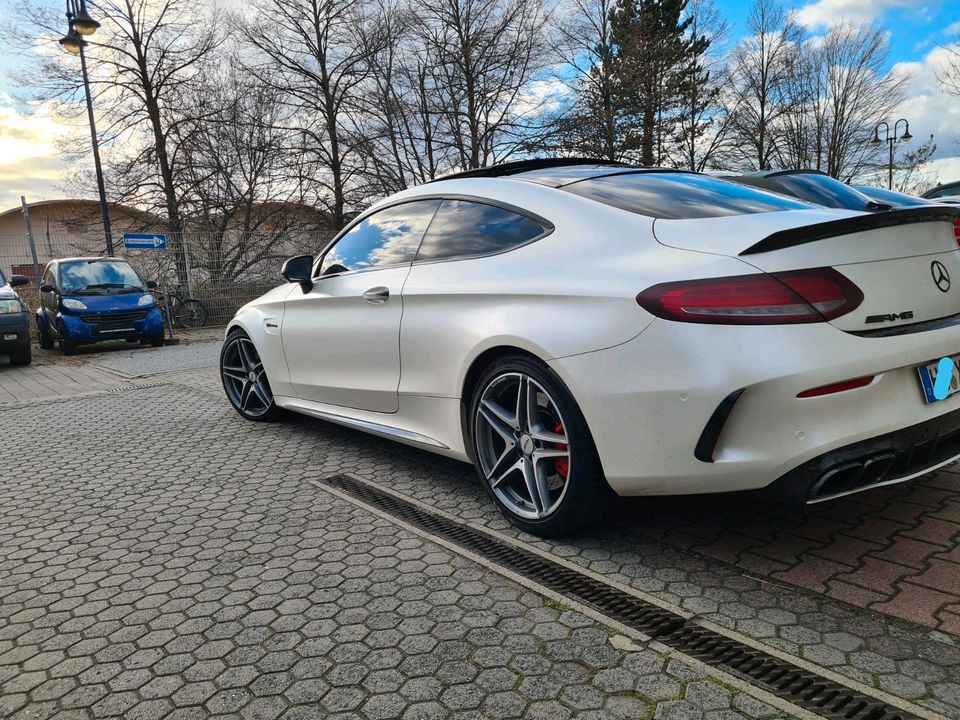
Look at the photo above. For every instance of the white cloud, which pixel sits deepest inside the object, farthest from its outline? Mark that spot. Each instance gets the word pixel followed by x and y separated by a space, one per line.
pixel 952 29
pixel 946 169
pixel 30 163
pixel 823 13
pixel 927 107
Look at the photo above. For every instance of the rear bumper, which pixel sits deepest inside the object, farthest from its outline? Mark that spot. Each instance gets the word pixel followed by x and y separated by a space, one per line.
pixel 81 331
pixel 647 402
pixel 14 330
pixel 883 460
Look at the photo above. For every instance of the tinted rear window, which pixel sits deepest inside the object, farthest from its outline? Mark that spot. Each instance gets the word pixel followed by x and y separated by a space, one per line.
pixel 462 229
pixel 821 189
pixel 680 196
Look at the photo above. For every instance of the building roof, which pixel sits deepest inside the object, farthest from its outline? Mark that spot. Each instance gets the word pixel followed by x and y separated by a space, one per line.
pixel 72 204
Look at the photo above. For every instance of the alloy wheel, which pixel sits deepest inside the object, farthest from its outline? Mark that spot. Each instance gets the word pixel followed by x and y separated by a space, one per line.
pixel 245 379
pixel 522 447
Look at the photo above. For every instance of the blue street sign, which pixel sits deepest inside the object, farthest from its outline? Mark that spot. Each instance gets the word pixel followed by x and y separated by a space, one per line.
pixel 145 241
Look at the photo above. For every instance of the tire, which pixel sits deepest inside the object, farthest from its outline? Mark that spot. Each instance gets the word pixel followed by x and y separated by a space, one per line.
pixel 67 346
pixel 511 454
pixel 23 356
pixel 156 340
pixel 252 399
pixel 191 314
pixel 46 339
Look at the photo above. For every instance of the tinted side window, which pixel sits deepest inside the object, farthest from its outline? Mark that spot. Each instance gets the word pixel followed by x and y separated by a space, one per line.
pixel 385 238
pixel 49 278
pixel 680 195
pixel 462 228
pixel 821 189
pixel 944 191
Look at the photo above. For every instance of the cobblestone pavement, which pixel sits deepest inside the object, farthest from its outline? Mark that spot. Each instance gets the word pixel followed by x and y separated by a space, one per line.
pixel 43 381
pixel 164 558
pixel 218 523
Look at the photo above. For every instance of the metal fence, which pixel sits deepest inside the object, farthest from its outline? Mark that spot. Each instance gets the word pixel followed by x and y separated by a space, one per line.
pixel 221 270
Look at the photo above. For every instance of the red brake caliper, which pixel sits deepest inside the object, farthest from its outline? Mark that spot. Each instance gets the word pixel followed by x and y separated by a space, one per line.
pixel 562 464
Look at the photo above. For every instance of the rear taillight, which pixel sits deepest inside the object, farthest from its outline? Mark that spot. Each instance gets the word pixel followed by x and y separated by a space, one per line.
pixel 956 230
pixel 797 296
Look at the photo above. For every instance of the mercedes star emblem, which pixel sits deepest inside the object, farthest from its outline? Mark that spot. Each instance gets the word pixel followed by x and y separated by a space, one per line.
pixel 940 275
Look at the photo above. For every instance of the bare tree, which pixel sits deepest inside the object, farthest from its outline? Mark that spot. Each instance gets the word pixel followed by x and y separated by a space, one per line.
pixel 702 124
pixel 316 54
pixel 762 66
pixel 144 57
pixel 949 75
pixel 914 174
pixel 485 54
pixel 842 86
pixel 589 124
pixel 246 202
pixel 403 126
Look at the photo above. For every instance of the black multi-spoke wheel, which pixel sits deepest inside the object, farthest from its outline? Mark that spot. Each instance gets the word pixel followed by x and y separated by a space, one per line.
pixel 532 449
pixel 245 379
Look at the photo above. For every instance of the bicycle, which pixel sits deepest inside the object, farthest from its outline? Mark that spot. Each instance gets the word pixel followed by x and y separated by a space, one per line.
pixel 187 312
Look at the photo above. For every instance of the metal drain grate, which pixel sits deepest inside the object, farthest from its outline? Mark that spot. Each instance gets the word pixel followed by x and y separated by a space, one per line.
pixel 820 695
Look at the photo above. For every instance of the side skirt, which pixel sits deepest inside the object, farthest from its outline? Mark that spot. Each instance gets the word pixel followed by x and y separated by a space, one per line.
pixel 412 425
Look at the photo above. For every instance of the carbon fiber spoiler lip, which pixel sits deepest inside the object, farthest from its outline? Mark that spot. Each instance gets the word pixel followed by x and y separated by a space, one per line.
pixel 846 226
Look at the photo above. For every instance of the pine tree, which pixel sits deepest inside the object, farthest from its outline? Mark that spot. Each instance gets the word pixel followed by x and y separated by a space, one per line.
pixel 652 67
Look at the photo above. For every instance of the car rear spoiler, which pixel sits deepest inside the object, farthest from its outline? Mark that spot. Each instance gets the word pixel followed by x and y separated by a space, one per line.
pixel 834 228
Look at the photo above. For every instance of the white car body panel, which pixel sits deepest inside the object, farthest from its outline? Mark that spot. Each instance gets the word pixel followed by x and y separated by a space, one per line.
pixel 645 385
pixel 340 348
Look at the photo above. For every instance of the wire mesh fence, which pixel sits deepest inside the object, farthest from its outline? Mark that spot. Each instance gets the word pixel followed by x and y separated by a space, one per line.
pixel 221 270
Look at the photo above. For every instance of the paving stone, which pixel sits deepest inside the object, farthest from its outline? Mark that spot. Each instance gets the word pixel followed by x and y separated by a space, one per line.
pixel 215 586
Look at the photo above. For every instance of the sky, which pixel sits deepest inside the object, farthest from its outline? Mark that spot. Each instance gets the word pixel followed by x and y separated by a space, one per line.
pixel 31 165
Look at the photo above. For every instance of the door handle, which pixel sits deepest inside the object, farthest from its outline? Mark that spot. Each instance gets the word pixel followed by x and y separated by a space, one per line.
pixel 377 295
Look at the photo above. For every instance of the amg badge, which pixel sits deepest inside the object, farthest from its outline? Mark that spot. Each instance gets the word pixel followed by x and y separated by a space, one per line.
pixel 890 317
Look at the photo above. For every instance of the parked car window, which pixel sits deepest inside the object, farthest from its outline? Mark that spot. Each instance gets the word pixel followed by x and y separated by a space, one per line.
pixel 947 190
pixel 462 228
pixel 385 238
pixel 680 195
pixel 821 189
pixel 891 197
pixel 99 277
pixel 3 280
pixel 48 278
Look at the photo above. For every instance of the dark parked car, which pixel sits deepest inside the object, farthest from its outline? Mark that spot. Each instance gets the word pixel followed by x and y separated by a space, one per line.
pixel 14 327
pixel 944 190
pixel 86 300
pixel 891 197
pixel 810 185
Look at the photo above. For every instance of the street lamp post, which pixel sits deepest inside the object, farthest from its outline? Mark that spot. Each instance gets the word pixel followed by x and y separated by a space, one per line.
pixel 80 24
pixel 890 138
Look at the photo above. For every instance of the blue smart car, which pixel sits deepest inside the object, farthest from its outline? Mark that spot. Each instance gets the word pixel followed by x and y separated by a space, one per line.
pixel 86 300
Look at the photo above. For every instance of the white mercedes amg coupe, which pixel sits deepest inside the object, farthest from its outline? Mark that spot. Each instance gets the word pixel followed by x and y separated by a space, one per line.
pixel 575 328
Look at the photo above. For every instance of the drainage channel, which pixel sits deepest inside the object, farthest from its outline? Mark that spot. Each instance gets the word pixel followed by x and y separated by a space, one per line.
pixel 823 696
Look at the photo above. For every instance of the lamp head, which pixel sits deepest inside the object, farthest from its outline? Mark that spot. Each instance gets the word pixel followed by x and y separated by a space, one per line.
pixel 72 42
pixel 83 23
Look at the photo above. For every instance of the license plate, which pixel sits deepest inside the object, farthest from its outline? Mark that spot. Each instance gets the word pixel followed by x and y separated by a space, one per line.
pixel 10 336
pixel 928 378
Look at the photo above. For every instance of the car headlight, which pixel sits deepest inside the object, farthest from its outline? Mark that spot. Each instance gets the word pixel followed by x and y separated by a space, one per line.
pixel 11 306
pixel 72 304
pixel 145 301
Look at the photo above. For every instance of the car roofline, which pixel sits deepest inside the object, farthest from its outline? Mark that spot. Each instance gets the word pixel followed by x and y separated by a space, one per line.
pixel 520 166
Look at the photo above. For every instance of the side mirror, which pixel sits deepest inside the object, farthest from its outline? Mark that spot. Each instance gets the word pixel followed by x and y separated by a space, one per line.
pixel 299 270
pixel 47 288
pixel 151 284
pixel 17 280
